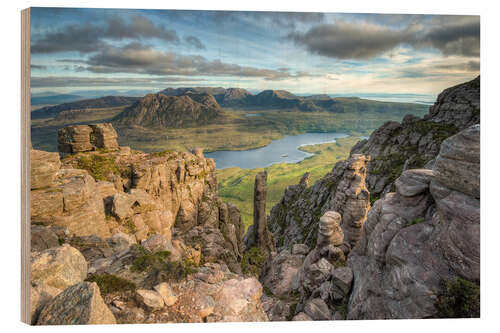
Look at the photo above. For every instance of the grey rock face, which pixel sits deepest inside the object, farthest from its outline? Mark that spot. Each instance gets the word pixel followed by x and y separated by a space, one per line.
pixel 415 142
pixel 295 218
pixel 426 232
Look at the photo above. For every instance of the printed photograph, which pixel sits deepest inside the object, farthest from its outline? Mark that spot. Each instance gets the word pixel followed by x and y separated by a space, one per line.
pixel 193 166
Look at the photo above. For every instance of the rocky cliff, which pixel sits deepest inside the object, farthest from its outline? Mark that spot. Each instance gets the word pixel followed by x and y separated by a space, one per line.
pixel 415 142
pixel 295 218
pixel 415 253
pixel 421 236
pixel 138 225
pixel 159 110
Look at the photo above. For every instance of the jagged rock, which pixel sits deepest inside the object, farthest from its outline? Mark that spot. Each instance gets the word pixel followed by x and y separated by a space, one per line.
pixel 71 203
pixel 166 293
pixel 121 205
pixel 82 138
pixel 77 305
pixel 410 244
pixel 238 300
pixel 295 218
pixel 259 234
pixel 44 167
pixel 415 142
pixel 413 182
pixel 457 165
pixel 342 279
pixel 42 238
pixel 150 299
pixel 103 136
pixel 317 309
pixel 300 249
pixel 278 274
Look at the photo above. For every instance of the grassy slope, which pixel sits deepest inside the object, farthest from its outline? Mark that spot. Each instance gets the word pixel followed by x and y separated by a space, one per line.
pixel 236 184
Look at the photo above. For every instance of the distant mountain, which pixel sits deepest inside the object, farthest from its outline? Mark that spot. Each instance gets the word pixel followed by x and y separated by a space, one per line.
pixel 54 99
pixel 189 109
pixel 96 103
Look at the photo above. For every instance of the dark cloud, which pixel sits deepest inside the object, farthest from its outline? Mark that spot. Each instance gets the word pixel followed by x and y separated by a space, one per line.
pixel 455 36
pixel 354 40
pixel 346 40
pixel 138 58
pixel 194 41
pixel 38 67
pixel 91 38
pixel 65 81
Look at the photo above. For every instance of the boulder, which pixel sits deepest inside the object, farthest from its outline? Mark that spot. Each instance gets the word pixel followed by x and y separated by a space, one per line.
pixel 58 267
pixel 317 309
pixel 42 238
pixel 80 304
pixel 300 249
pixel 44 167
pixel 168 296
pixel 150 299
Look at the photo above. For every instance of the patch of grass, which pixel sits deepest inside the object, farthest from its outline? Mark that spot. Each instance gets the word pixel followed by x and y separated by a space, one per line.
pixel 156 264
pixel 162 153
pixel 416 220
pixel 109 283
pixel 130 226
pixel 458 299
pixel 98 166
pixel 252 261
pixel 149 260
pixel 373 198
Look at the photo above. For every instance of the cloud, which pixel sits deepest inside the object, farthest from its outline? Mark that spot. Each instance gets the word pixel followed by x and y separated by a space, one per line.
pixel 470 66
pixel 90 38
pixel 141 59
pixel 194 41
pixel 455 36
pixel 361 40
pixel 38 66
pixel 346 40
pixel 75 81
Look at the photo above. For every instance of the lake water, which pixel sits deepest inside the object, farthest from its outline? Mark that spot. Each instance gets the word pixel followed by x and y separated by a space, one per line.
pixel 284 150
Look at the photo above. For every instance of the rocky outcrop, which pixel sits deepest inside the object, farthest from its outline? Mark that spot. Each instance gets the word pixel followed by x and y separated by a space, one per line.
pixel 414 143
pixel 425 233
pixel 44 166
pixel 294 220
pixel 211 294
pixel 78 305
pixel 52 271
pixel 170 111
pixel 104 191
pixel 82 138
pixel 258 234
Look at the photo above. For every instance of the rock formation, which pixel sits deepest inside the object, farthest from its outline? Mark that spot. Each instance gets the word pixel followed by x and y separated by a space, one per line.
pixel 295 218
pixel 424 233
pixel 82 138
pixel 258 234
pixel 415 142
pixel 103 191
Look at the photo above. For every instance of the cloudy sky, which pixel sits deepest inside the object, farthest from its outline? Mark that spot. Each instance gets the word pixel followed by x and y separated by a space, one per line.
pixel 79 49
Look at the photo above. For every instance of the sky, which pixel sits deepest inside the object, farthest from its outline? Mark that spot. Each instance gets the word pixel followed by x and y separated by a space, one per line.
pixel 305 53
